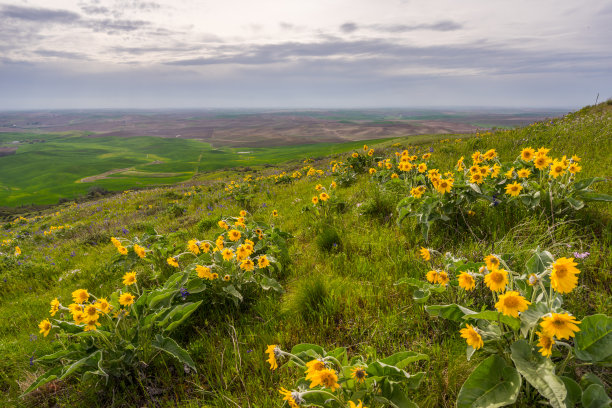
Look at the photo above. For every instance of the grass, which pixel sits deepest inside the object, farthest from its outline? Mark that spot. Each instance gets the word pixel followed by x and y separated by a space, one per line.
pixel 344 297
pixel 48 167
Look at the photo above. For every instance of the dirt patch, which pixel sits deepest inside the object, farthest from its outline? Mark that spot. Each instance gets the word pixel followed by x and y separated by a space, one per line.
pixel 7 151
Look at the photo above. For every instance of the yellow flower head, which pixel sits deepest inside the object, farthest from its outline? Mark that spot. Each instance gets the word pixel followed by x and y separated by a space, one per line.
pixel 55 304
pixel 460 166
pixel 129 278
pixel 476 178
pixel 426 156
pixel 563 277
pixel 314 366
pixel 490 154
pixel 510 173
pixel 193 246
pixel 416 192
pixel 122 250
pixel 472 338
pixel 476 157
pixel 247 265
pixel 275 213
pixel 443 278
pixel 444 185
pixel 103 305
pixel 227 278
pixel 523 173
pixel 527 154
pixel 359 374
pixel 173 261
pixel 289 397
pixel 560 325
pixel 394 176
pixel 425 254
pixel 422 168
pixel 466 281
pixel 91 324
pixel 365 148
pixel 17 251
pixel 80 296
pixel 511 303
pixel 576 159
pixel 495 170
pixel 203 272
pixel 492 261
pixel 273 351
pixel 126 299
pixel 140 251
pixel 227 254
pixel 556 169
pixel 223 224
pixel 496 280
pixel 326 378
pixel 359 405
pixel 371 152
pixel 574 168
pixel 432 276
pixel 115 242
pixel 263 262
pixel 243 213
pixel 514 189
pixel 324 196
pixel 542 152
pixel 333 184
pixel 45 327
pixel 205 247
pixel 542 162
pixel 234 235
pixel 545 343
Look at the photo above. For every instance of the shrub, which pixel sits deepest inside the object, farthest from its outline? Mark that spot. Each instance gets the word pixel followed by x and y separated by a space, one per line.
pixel 328 240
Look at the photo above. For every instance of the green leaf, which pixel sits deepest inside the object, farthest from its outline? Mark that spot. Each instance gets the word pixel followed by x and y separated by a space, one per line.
pixel 421 295
pixel 575 204
pixel 161 298
pixel 380 369
pixel 311 350
pixel 593 343
pixel 44 379
pixel 55 356
pixel 403 358
pixel 494 316
pixel 588 379
pixel 531 316
pixel 586 183
pixel 452 312
pixel 169 346
pixel 539 372
pixel 268 283
pixel 68 327
pixel 590 196
pixel 492 384
pixel 539 262
pixel 231 290
pixel 595 397
pixel 395 396
pixel 574 392
pixel 318 397
pixel 178 315
pixel 90 360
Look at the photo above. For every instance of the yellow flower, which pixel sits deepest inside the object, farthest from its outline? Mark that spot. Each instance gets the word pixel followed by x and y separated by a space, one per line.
pixel 511 303
pixel 17 251
pixel 370 152
pixel 103 305
pixel 576 158
pixel 365 148
pixel 472 338
pixel 560 325
pixel 476 158
pixel 394 176
pixel 492 261
pixel 91 324
pixel 510 173
pixel 288 396
pixel 115 242
pixel 542 162
pixel 247 265
pixel 460 166
pixel 425 254
pixel 574 168
pixel 495 170
pixel 523 173
pixel 129 278
pixel 263 262
pixel 324 196
pixel 275 213
pixel 542 152
pixel 355 155
pixel 416 192
pixel 140 251
pixel 205 247
pixel 422 168
pixel 227 278
pixel 79 317
pixel 496 280
pixel 444 186
pixel 227 254
pixel 243 213
pixel 466 281
pixel 234 235
pixel 80 296
pixel 556 169
pixel 272 351
pixel 527 154
pixel 563 277
pixel 242 252
pixel 55 304
pixel 45 327
pixel 360 405
pixel 372 171
pixel 490 154
pixel 326 378
pixel 333 184
pixel 193 246
pixel 173 261
pixel 312 367
pixel 223 224
pixel 514 189
pixel 359 374
pixel 203 272
pixel 426 156
pixel 432 276
pixel 476 178
pixel 126 299
pixel 545 342
pixel 122 250
pixel 219 242
pixel 443 278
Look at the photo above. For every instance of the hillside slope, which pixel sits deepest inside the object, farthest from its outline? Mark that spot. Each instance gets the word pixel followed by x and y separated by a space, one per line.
pixel 339 271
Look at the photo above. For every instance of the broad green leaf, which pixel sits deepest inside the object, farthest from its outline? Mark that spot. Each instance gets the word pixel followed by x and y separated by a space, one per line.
pixel 574 203
pixel 268 283
pixel 586 183
pixel 421 295
pixel 44 379
pixel 380 369
pixel 161 298
pixel 90 360
pixel 452 312
pixel 68 327
pixel 539 372
pixel 231 290
pixel 492 384
pixel 395 396
pixel 593 343
pixel 595 397
pixel 590 196
pixel 539 262
pixel 403 358
pixel 55 356
pixel 531 316
pixel 311 350
pixel 169 346
pixel 588 379
pixel 494 316
pixel 318 397
pixel 178 315
pixel 574 392
pixel 414 381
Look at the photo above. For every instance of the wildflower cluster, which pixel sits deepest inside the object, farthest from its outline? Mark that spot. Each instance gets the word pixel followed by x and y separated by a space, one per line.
pixel 527 327
pixel 331 379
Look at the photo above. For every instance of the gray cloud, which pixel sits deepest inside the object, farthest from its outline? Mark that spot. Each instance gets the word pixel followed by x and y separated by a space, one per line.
pixel 38 15
pixel 443 25
pixel 348 27
pixel 113 26
pixel 62 54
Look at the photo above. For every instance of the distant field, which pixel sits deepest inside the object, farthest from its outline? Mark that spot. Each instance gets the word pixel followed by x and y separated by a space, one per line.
pixel 47 167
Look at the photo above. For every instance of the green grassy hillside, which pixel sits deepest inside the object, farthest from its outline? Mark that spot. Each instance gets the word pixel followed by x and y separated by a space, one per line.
pixel 339 276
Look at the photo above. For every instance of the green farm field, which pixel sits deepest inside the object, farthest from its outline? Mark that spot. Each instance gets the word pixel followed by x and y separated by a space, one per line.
pixel 52 167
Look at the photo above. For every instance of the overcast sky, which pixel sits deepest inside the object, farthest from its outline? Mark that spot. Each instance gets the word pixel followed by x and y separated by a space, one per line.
pixel 306 53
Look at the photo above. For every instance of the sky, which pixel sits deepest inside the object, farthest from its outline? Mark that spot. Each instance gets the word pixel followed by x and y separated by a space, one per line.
pixel 84 54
